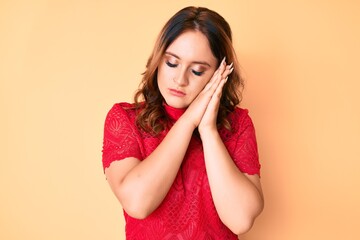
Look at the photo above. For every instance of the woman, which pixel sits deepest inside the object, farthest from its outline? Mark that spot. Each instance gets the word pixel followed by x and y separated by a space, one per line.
pixel 182 160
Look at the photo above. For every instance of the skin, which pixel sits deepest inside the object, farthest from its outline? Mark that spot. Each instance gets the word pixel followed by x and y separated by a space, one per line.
pixel 181 86
pixel 186 67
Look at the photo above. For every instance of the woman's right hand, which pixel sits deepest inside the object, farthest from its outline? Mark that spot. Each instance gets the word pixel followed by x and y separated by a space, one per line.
pixel 197 108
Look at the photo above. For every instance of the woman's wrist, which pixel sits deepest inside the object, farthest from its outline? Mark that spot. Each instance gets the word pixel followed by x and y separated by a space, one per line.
pixel 187 120
pixel 208 133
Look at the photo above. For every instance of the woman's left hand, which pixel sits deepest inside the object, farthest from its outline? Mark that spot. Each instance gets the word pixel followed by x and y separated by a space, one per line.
pixel 208 121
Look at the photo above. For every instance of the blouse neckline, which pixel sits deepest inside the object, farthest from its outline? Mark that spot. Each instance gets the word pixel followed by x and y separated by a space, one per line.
pixel 172 112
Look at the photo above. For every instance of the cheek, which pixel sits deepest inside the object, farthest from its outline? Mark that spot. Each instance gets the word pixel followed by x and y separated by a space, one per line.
pixel 161 76
pixel 200 84
pixel 204 81
pixel 164 74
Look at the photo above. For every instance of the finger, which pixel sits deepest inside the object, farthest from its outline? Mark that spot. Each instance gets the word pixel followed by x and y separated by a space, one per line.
pixel 222 66
pixel 218 71
pixel 223 70
pixel 214 102
pixel 209 84
pixel 228 70
pixel 215 84
pixel 223 62
pixel 218 91
pixel 214 76
pixel 214 80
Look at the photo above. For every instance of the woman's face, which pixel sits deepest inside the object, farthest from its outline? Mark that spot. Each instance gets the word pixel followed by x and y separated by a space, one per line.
pixel 186 67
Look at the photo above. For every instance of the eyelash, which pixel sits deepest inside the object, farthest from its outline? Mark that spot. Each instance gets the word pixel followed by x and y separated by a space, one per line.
pixel 197 73
pixel 171 65
pixel 175 65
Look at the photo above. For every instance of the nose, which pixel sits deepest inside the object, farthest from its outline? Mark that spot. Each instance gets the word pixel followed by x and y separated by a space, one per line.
pixel 181 80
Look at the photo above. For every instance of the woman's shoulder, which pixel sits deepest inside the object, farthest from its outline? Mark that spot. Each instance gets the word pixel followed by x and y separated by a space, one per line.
pixel 240 113
pixel 240 118
pixel 123 109
pixel 124 105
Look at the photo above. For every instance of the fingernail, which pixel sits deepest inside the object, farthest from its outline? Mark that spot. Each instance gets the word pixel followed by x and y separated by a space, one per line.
pixel 231 69
pixel 226 79
pixel 222 62
pixel 231 64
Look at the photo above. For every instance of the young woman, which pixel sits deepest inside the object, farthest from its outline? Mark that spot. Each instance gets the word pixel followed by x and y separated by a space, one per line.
pixel 182 160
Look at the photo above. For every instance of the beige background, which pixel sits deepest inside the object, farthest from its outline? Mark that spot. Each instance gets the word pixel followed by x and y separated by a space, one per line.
pixel 64 63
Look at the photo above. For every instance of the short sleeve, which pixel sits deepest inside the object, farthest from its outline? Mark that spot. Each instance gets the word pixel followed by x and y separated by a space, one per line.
pixel 245 154
pixel 120 137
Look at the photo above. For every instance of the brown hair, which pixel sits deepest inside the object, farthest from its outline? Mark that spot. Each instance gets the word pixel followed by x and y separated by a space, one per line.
pixel 152 117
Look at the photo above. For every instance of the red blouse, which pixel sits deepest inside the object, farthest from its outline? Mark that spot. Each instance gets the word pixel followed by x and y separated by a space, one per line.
pixel 188 211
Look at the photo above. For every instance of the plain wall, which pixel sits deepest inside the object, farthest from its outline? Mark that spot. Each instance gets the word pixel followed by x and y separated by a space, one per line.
pixel 63 64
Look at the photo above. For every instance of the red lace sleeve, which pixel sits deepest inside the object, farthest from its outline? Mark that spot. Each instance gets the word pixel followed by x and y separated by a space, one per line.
pixel 120 137
pixel 246 152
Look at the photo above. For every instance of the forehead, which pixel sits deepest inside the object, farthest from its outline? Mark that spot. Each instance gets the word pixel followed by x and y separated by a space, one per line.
pixel 192 46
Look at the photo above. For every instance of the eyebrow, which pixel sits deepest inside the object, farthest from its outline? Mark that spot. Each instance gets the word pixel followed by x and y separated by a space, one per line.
pixel 196 62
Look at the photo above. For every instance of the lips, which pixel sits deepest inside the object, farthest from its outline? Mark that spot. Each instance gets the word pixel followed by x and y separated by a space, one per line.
pixel 176 92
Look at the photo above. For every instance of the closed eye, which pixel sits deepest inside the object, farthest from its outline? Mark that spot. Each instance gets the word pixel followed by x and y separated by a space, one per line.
pixel 171 64
pixel 197 73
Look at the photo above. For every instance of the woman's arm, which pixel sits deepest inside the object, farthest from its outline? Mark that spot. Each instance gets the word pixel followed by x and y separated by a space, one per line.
pixel 237 196
pixel 141 186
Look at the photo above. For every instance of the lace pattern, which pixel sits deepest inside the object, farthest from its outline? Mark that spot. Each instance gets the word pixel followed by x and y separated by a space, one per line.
pixel 188 211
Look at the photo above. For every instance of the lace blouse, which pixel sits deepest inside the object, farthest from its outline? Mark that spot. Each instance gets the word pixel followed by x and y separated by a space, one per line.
pixel 188 211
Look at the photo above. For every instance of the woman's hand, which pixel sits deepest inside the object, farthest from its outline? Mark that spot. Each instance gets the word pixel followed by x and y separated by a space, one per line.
pixel 209 97
pixel 208 120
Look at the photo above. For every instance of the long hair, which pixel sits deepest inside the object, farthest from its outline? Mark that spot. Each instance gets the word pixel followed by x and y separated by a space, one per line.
pixel 152 117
